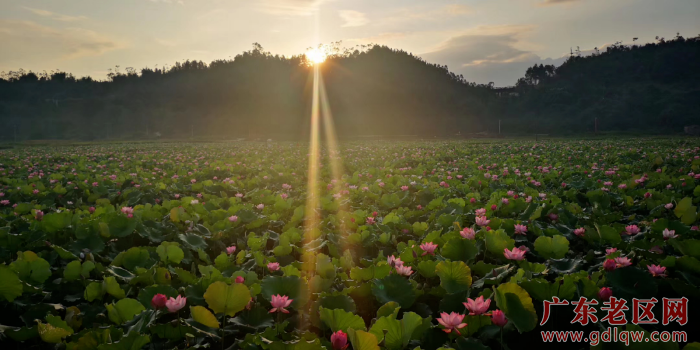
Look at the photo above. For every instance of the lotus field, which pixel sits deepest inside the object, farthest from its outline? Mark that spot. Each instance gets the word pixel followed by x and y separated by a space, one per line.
pixel 375 245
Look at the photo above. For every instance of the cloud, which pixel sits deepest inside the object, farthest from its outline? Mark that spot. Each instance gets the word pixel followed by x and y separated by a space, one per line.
pixel 488 53
pixel 179 2
pixel 353 18
pixel 457 9
pixel 54 16
pixel 379 38
pixel 556 2
pixel 290 7
pixel 22 39
pixel 493 44
pixel 428 13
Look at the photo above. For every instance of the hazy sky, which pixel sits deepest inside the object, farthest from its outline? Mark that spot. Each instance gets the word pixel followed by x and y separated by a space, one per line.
pixel 486 40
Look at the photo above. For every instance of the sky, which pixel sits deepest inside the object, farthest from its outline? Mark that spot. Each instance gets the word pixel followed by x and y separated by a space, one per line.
pixel 484 40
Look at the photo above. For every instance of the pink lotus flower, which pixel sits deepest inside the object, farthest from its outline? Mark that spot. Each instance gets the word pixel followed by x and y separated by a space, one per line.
pixel 520 229
pixel 480 212
pixel 553 216
pixel 394 261
pixel 273 266
pixel 657 271
pixel 404 188
pixel 610 251
pixel 477 306
pixel 91 210
pixel 230 250
pixel 622 262
pixel 468 233
pixel 451 321
pixel 656 249
pixel 129 211
pixel 515 254
pixel 260 206
pixel 428 248
pixel 668 234
pixel 609 265
pixel 580 231
pixel 472 200
pixel 632 229
pixel 280 302
pixel 38 215
pixel 233 218
pixel 498 318
pixel 604 293
pixel 158 301
pixel 240 279
pixel 668 205
pixel 339 340
pixel 370 220
pixel 482 221
pixel 175 304
pixel 404 270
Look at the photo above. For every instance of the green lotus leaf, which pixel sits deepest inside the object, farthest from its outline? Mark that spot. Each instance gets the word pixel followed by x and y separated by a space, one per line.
pixel 394 288
pixel 11 286
pixel 552 247
pixel 204 316
pixel 124 310
pixel 455 276
pixel 227 299
pixel 170 252
pixel 338 319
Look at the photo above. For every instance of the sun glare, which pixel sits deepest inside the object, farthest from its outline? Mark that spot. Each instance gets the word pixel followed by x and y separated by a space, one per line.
pixel 316 56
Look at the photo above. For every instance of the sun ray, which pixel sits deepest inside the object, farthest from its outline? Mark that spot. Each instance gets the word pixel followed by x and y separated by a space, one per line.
pixel 311 215
pixel 334 155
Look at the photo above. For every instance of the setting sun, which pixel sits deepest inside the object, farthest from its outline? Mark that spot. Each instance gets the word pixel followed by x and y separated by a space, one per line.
pixel 316 56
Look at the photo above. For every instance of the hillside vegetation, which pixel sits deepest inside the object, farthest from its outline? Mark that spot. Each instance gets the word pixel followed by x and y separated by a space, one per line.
pixel 373 90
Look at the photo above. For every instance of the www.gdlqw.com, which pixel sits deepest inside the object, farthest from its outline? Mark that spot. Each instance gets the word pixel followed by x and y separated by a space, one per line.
pixel 613 335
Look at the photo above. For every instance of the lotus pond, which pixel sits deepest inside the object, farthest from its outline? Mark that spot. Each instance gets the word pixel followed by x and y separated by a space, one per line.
pixel 375 245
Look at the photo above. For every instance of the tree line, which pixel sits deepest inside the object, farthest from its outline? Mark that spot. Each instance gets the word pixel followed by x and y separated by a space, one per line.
pixel 370 90
pixel 635 88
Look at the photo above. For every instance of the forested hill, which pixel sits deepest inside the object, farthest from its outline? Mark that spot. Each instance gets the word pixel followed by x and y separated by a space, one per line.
pixel 375 91
pixel 648 88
